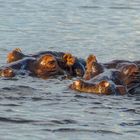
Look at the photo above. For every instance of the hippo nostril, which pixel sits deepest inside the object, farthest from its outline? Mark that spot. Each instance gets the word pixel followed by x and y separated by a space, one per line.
pixel 77 83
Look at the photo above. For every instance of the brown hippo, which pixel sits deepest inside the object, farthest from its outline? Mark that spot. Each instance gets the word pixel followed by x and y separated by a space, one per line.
pixel 18 67
pixel 7 72
pixel 106 83
pixel 46 66
pixel 101 80
pixel 72 65
pixel 43 66
pixel 75 66
pixel 102 84
pixel 17 54
pixel 115 63
pixel 93 68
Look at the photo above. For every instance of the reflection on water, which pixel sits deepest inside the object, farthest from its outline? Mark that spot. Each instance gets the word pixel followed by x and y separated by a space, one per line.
pixel 32 108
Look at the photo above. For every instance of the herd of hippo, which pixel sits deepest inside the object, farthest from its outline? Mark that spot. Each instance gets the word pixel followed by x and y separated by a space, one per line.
pixel 115 77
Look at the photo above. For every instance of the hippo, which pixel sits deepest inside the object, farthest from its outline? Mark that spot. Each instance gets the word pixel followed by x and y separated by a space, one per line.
pixel 106 83
pixel 102 84
pixel 17 54
pixel 93 68
pixel 75 66
pixel 46 66
pixel 72 65
pixel 99 79
pixel 43 66
pixel 17 67
pixel 114 63
pixel 7 72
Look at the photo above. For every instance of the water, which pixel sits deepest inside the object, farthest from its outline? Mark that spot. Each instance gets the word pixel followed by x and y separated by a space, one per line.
pixel 36 109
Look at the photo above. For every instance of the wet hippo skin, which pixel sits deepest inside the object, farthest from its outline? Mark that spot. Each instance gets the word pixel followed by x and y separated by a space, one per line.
pixel 106 83
pixel 114 77
pixel 121 77
pixel 72 65
pixel 43 66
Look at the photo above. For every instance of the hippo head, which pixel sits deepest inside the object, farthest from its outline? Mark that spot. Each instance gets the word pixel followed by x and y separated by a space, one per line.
pixel 69 59
pixel 102 87
pixel 130 74
pixel 93 68
pixel 15 55
pixel 130 69
pixel 7 72
pixel 47 65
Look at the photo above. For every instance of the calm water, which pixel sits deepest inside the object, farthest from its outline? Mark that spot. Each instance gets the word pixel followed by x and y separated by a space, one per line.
pixel 36 109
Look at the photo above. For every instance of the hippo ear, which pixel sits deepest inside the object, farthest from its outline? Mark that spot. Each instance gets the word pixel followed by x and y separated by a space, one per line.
pixel 92 58
pixel 0 73
pixel 17 49
pixel 104 83
pixel 66 56
pixel 69 59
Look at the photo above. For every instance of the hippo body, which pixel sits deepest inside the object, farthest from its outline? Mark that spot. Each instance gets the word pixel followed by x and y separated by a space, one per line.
pixel 19 67
pixel 109 82
pixel 43 67
pixel 54 53
pixel 21 64
pixel 78 69
pixel 117 76
pixel 114 63
pixel 17 54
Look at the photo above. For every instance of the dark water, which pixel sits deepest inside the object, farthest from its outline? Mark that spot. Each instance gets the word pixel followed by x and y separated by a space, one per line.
pixel 36 109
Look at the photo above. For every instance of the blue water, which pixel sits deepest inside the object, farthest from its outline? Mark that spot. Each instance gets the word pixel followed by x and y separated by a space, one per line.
pixel 36 109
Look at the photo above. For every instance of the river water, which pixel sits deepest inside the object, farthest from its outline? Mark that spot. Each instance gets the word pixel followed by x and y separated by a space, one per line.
pixel 36 109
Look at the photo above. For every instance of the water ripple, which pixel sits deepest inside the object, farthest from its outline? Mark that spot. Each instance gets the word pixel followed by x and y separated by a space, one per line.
pixel 16 120
pixel 64 121
pixel 132 111
pixel 124 8
pixel 90 7
pixel 11 105
pixel 82 130
pixel 130 124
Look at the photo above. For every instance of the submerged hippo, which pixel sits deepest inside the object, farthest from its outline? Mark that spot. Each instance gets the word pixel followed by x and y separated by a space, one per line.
pixel 106 83
pixel 7 72
pixel 121 78
pixel 93 67
pixel 43 66
pixel 116 63
pixel 17 54
pixel 75 66
pixel 72 65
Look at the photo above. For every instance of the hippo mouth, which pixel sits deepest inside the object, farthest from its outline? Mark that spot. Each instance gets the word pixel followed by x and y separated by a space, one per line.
pixel 102 87
pixel 7 72
pixel 82 86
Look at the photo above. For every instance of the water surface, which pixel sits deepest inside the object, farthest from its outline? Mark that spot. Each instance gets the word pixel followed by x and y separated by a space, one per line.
pixel 36 109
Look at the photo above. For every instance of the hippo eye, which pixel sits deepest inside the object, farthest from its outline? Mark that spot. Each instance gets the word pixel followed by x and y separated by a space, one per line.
pixel 51 62
pixel 10 71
